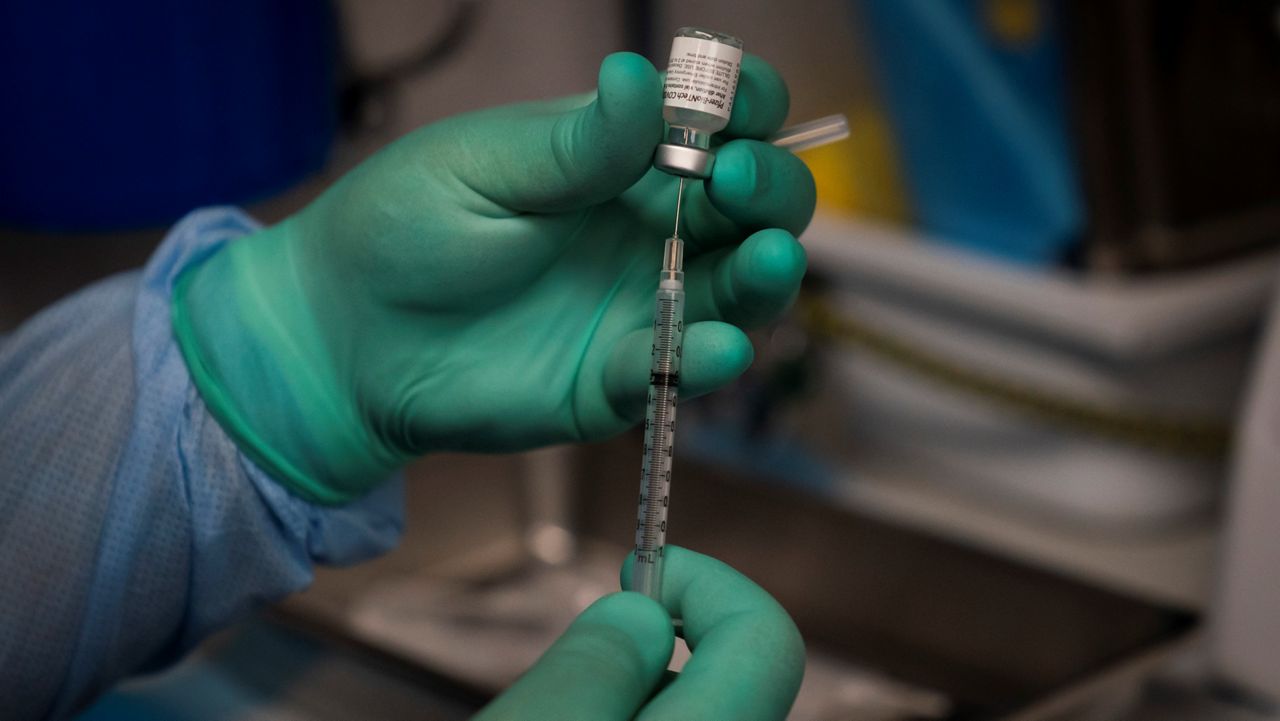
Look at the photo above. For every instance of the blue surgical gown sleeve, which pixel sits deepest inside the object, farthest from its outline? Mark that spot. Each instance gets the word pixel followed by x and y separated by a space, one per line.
pixel 130 525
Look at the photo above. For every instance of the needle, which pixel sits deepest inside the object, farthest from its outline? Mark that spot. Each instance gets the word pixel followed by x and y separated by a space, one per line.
pixel 679 194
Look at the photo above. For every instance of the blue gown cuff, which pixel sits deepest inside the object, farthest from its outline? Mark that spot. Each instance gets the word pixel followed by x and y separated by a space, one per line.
pixel 346 534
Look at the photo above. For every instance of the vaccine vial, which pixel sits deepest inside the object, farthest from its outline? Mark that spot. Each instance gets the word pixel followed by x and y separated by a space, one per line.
pixel 697 99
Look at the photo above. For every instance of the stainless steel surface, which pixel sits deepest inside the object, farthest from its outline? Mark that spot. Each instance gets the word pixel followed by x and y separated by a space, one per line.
pixel 267 671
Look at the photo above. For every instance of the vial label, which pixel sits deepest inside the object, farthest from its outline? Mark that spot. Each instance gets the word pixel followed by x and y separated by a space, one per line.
pixel 702 75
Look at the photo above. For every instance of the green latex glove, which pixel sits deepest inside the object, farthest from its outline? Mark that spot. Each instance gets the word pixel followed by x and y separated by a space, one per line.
pixel 486 283
pixel 747 662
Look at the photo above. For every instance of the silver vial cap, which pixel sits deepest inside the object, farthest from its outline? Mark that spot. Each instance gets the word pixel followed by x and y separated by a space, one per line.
pixel 684 161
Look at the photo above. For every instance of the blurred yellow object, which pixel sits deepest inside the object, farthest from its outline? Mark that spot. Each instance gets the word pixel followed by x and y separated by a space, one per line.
pixel 1014 22
pixel 861 175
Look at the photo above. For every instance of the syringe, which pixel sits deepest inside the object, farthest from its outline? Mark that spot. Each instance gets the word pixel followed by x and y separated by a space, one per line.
pixel 660 416
pixel 664 375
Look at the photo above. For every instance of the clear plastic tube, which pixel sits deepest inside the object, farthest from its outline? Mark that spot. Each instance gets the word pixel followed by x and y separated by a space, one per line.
pixel 813 133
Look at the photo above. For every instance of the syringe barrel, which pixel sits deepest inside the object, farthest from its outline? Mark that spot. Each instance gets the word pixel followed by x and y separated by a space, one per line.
pixel 659 438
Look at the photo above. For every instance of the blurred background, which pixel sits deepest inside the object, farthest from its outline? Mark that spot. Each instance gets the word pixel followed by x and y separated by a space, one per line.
pixel 1014 455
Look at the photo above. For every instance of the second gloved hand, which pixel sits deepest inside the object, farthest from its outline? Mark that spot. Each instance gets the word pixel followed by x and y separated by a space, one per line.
pixel 747 662
pixel 486 283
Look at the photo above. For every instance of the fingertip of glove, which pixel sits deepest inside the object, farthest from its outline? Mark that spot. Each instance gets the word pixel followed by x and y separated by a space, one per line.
pixel 760 185
pixel 644 621
pixel 624 126
pixel 628 88
pixel 762 101
pixel 770 259
pixel 716 352
pixel 739 173
pixel 735 350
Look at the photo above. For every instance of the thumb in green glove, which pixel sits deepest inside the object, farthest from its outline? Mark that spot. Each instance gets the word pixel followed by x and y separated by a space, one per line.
pixel 747 662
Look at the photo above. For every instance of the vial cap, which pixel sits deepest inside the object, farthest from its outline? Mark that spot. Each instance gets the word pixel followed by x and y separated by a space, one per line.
pixel 684 161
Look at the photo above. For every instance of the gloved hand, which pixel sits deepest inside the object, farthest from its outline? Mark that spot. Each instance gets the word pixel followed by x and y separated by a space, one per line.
pixel 486 283
pixel 747 662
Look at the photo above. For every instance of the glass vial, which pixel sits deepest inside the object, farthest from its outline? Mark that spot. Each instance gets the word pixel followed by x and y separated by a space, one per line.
pixel 702 78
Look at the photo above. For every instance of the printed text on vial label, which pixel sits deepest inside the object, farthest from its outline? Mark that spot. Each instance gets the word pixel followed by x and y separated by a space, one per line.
pixel 701 81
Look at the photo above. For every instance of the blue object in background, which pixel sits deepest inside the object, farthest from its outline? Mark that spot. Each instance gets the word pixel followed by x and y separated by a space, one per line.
pixel 132 113
pixel 982 121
